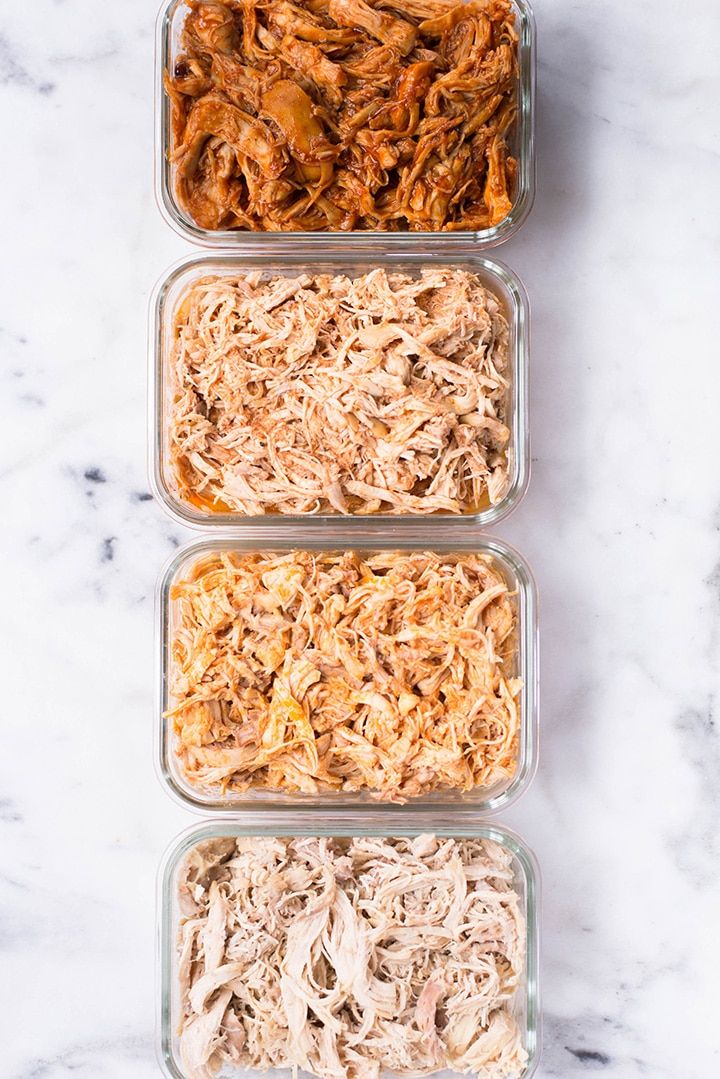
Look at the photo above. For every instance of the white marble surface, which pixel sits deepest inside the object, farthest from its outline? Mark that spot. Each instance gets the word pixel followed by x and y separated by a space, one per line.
pixel 622 525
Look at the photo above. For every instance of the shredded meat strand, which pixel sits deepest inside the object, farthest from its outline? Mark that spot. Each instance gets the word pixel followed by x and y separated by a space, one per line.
pixel 314 672
pixel 344 114
pixel 346 957
pixel 385 393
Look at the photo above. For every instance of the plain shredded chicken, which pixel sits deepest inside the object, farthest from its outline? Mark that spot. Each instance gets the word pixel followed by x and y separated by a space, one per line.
pixel 350 958
pixel 344 114
pixel 311 672
pixel 387 393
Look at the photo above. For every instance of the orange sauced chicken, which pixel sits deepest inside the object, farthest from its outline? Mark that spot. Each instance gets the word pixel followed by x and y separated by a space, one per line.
pixel 386 393
pixel 344 114
pixel 311 672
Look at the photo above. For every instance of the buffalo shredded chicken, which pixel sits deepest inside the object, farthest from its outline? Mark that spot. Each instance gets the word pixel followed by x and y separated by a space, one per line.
pixel 314 672
pixel 350 958
pixel 344 114
pixel 387 393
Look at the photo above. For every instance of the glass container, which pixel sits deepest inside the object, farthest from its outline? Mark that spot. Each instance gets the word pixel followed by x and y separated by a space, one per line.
pixel 521 144
pixel 367 823
pixel 351 260
pixel 480 800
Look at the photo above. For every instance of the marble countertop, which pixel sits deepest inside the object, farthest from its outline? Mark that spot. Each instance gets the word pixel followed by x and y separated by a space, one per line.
pixel 621 525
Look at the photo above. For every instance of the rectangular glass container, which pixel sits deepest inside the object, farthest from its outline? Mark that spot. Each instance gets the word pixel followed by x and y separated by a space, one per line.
pixel 506 561
pixel 295 823
pixel 521 143
pixel 349 259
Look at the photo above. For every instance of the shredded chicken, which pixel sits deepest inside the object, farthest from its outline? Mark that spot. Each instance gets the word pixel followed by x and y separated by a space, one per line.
pixel 344 114
pixel 312 672
pixel 347 957
pixel 385 393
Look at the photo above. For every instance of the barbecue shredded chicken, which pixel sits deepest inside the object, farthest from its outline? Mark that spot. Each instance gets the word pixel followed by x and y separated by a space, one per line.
pixel 386 393
pixel 350 958
pixel 312 672
pixel 344 114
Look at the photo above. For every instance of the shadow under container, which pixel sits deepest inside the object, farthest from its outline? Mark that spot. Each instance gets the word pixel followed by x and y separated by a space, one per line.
pixel 352 261
pixel 468 804
pixel 301 823
pixel 521 145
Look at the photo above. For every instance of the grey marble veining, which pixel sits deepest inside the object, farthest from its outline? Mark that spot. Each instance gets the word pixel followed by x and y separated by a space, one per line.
pixel 621 525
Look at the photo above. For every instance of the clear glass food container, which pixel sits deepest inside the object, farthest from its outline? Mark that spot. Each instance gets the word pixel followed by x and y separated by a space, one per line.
pixel 506 561
pixel 352 260
pixel 521 144
pixel 295 823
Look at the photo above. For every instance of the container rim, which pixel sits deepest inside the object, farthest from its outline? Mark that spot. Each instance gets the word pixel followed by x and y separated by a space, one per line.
pixel 293 822
pixel 183 225
pixel 509 289
pixel 429 808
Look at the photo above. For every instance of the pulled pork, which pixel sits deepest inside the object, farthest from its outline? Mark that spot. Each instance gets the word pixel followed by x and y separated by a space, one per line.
pixel 323 394
pixel 344 114
pixel 346 957
pixel 317 672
